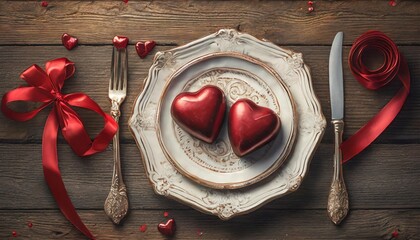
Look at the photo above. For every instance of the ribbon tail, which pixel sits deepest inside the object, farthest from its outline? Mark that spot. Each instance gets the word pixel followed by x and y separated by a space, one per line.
pixel 368 133
pixel 53 176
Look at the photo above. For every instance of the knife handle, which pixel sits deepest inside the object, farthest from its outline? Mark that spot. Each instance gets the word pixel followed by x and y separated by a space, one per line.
pixel 338 200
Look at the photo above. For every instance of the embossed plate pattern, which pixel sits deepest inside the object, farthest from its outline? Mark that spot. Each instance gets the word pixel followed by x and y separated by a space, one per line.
pixel 225 204
pixel 215 165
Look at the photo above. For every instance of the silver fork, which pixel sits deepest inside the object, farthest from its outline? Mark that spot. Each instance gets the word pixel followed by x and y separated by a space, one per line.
pixel 116 204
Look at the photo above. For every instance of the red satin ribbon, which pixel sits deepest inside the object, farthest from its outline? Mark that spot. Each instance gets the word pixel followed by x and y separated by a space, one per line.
pixel 45 87
pixel 394 67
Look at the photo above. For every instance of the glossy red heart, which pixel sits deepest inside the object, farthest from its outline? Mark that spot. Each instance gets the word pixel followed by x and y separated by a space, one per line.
pixel 120 42
pixel 251 126
pixel 68 41
pixel 200 113
pixel 144 48
pixel 168 228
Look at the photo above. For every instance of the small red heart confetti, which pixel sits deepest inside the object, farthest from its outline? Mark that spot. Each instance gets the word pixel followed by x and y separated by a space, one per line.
pixel 168 228
pixel 120 42
pixel 30 225
pixel 14 234
pixel 44 4
pixel 165 214
pixel 395 233
pixel 144 48
pixel 68 41
pixel 392 3
pixel 143 228
pixel 310 6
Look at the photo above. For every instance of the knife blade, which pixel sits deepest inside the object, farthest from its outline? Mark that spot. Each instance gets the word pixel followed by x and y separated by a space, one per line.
pixel 338 203
pixel 336 78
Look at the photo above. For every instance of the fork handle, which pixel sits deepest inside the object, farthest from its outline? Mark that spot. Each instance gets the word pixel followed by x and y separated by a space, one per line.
pixel 338 200
pixel 116 113
pixel 116 204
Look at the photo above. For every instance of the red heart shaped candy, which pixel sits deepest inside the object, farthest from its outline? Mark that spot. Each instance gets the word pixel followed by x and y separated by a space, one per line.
pixel 120 42
pixel 200 113
pixel 68 41
pixel 168 228
pixel 143 48
pixel 251 126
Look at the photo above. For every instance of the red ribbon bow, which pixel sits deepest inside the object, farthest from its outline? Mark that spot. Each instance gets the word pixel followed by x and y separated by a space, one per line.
pixel 45 87
pixel 394 67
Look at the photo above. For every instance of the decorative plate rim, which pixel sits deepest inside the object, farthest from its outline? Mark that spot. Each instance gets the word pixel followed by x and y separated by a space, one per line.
pixel 229 203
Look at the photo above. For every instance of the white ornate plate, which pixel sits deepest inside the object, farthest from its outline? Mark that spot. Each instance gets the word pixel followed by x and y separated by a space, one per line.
pixel 227 203
pixel 216 165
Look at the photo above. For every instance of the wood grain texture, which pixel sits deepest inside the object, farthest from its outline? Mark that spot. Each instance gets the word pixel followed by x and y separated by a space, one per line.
pixel 177 22
pixel 93 72
pixel 266 224
pixel 385 176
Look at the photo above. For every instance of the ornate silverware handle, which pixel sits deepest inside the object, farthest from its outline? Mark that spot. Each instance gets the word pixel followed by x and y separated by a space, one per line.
pixel 116 204
pixel 338 200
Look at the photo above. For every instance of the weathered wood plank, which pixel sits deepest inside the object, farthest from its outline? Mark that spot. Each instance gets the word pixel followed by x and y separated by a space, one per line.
pixel 178 22
pixel 384 176
pixel 93 71
pixel 266 224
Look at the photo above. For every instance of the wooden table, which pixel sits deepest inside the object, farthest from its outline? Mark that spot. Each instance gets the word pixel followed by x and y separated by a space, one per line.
pixel 383 181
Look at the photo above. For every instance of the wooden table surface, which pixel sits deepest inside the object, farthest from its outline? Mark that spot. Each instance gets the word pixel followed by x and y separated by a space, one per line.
pixel 383 181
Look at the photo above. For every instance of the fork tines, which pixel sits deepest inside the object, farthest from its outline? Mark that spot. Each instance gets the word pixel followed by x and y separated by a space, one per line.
pixel 118 81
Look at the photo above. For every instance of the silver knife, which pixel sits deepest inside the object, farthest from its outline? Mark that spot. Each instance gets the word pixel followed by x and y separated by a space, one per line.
pixel 338 201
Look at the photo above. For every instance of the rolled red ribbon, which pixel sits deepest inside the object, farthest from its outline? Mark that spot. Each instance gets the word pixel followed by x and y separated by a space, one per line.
pixel 45 87
pixel 394 67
